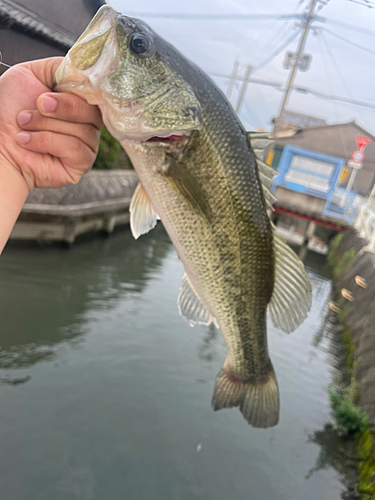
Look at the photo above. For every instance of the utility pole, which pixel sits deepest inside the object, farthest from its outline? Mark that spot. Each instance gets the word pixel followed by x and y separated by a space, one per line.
pixel 244 87
pixel 232 78
pixel 301 46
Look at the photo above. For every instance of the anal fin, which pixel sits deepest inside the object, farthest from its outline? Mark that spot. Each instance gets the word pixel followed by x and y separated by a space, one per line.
pixel 190 305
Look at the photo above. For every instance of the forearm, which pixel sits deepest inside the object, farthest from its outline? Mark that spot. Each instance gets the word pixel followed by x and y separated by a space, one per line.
pixel 13 194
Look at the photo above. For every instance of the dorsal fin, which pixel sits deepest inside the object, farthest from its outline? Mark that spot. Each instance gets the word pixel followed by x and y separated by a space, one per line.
pixel 259 142
pixel 291 298
pixel 190 305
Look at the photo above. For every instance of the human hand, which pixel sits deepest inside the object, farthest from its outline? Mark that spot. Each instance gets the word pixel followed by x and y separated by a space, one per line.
pixel 49 139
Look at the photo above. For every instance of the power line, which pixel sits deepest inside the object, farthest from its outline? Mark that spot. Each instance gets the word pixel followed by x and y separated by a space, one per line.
pixel 333 103
pixel 357 29
pixel 338 70
pixel 280 34
pixel 216 17
pixel 318 94
pixel 349 41
pixel 276 52
pixel 305 90
pixel 364 3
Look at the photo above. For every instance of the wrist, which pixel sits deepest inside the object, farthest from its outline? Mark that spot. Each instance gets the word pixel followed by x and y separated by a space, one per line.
pixel 13 193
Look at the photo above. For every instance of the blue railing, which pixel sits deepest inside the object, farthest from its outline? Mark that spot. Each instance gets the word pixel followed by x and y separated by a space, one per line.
pixel 342 205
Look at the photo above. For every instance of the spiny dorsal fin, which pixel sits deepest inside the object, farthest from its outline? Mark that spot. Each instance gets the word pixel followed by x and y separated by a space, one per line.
pixel 190 305
pixel 291 298
pixel 266 176
pixel 259 142
pixel 143 218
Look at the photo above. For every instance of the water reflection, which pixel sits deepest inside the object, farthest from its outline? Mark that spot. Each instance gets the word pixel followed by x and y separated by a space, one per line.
pixel 336 452
pixel 133 394
pixel 54 298
pixel 339 454
pixel 207 350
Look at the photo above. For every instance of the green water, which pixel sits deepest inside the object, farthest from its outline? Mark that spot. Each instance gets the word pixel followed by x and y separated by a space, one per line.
pixel 105 390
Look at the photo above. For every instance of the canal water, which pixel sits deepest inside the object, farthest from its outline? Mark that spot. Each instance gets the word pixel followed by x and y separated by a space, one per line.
pixel 105 390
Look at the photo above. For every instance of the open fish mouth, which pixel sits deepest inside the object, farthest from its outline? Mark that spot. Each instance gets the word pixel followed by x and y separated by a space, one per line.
pixel 174 137
pixel 168 137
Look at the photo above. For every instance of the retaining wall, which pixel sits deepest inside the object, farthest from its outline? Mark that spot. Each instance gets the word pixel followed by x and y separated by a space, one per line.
pixel 361 315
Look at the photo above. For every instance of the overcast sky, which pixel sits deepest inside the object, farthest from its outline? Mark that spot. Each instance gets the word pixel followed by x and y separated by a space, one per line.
pixel 215 44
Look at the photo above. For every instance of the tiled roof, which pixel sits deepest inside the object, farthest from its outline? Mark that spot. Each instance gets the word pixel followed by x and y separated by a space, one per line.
pixel 97 191
pixel 16 15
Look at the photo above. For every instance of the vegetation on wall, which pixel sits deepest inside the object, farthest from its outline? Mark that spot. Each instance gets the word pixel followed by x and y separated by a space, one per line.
pixel 351 420
pixel 340 264
pixel 111 154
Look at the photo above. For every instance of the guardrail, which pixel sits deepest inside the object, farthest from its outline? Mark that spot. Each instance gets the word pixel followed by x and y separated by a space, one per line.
pixel 365 223
pixel 343 205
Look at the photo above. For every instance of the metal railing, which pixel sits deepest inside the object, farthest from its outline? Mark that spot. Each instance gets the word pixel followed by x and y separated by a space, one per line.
pixel 365 223
pixel 342 205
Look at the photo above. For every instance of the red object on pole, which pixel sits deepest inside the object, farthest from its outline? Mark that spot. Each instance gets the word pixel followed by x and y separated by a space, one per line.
pixel 362 141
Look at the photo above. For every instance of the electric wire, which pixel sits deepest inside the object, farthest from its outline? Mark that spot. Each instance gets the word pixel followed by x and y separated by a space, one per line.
pixel 350 27
pixel 276 52
pixel 338 70
pixel 217 17
pixel 364 3
pixel 348 41
pixel 280 87
pixel 284 29
pixel 333 102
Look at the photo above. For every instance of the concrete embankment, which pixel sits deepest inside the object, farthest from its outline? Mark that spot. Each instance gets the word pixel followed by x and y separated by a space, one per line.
pixel 359 305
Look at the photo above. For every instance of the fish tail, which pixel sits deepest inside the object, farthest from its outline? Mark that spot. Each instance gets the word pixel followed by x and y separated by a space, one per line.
pixel 257 399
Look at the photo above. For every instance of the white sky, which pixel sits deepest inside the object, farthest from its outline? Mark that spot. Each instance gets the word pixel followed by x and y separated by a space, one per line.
pixel 214 45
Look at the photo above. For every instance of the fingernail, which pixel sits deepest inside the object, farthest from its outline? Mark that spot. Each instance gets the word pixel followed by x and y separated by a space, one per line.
pixel 23 137
pixel 23 118
pixel 49 104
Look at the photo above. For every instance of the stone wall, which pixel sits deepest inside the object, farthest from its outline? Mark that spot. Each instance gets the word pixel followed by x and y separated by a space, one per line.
pixel 361 314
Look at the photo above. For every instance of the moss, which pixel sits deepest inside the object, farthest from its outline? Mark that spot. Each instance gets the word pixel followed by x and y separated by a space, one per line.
pixel 332 256
pixel 366 468
pixel 111 154
pixel 340 264
pixel 350 419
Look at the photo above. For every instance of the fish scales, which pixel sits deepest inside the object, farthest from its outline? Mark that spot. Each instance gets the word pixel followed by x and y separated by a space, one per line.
pixel 198 173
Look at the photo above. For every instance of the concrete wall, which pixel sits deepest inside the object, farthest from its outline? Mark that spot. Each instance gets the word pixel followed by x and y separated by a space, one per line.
pixel 361 315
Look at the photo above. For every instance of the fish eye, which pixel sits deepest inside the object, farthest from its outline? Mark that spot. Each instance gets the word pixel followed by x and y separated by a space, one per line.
pixel 139 43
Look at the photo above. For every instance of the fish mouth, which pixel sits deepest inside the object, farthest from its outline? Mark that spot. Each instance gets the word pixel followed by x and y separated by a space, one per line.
pixel 166 140
pixel 169 137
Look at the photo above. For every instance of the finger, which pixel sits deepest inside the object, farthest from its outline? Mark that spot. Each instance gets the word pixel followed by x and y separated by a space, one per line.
pixel 70 150
pixel 70 108
pixel 45 69
pixel 34 121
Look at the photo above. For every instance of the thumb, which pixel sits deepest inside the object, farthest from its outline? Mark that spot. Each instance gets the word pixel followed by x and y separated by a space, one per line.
pixel 45 69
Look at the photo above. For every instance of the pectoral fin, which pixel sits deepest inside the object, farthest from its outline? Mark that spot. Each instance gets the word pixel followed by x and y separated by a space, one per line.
pixel 143 218
pixel 291 298
pixel 187 187
pixel 191 306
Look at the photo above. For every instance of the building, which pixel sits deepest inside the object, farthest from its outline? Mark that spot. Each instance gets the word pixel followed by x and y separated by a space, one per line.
pixel 336 141
pixel 33 29
pixel 290 122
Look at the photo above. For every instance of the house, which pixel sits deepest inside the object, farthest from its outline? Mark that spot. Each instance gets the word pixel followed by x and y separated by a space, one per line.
pixel 33 29
pixel 338 141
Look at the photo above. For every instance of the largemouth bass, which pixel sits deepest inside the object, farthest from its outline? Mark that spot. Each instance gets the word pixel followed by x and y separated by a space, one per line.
pixel 198 173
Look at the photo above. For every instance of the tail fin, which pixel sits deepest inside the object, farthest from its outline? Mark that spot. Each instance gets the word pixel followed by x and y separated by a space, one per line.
pixel 258 399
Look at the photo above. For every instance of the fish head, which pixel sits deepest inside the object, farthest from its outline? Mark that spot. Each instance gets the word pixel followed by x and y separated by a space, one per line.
pixel 120 64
